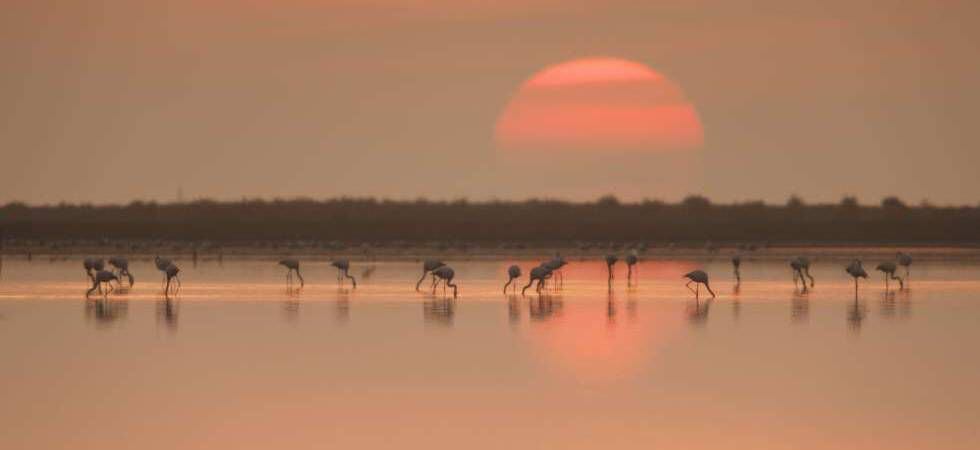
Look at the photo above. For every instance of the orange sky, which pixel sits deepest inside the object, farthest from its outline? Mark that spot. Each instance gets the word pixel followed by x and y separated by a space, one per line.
pixel 113 100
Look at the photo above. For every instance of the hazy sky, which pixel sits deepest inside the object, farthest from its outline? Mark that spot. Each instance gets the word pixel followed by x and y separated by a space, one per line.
pixel 114 100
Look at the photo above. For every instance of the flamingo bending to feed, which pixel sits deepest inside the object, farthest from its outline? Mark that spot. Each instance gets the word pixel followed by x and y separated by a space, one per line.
pixel 539 274
pixel 122 265
pixel 513 273
pixel 92 265
pixel 698 277
pixel 343 269
pixel 427 267
pixel 102 277
pixel 889 268
pixel 445 274
pixel 292 265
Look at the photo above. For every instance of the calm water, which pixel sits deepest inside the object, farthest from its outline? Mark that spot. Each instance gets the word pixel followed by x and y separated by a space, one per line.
pixel 237 361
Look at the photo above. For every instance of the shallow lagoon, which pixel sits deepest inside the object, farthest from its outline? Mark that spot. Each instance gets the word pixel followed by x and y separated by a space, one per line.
pixel 238 361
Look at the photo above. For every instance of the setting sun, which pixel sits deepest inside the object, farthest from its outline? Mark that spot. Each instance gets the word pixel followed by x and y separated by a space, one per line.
pixel 599 104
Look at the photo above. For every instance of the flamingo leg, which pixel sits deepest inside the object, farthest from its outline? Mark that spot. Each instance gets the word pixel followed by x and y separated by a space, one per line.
pixel 688 286
pixel 529 282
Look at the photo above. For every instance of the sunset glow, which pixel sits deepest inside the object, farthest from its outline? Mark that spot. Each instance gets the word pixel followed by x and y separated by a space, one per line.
pixel 599 104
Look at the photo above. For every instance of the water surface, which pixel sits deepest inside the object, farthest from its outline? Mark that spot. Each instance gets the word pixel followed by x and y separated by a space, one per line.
pixel 237 360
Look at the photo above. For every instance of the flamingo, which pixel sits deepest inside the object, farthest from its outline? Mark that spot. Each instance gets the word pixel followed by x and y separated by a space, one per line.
pixel 610 262
pixel 805 266
pixel 905 260
pixel 122 265
pixel 889 268
pixel 855 270
pixel 554 265
pixel 171 271
pixel 292 264
pixel 445 274
pixel 797 272
pixel 631 260
pixel 102 277
pixel 93 265
pixel 428 266
pixel 539 273
pixel 513 272
pixel 736 262
pixel 162 265
pixel 343 267
pixel 699 277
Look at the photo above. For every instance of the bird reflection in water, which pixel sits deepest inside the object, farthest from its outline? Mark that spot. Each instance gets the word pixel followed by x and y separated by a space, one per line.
pixel 290 307
pixel 888 304
pixel 800 308
pixel 105 311
pixel 697 312
pixel 439 311
pixel 342 311
pixel 168 310
pixel 513 309
pixel 368 272
pixel 904 303
pixel 855 315
pixel 544 307
pixel 611 308
pixel 631 305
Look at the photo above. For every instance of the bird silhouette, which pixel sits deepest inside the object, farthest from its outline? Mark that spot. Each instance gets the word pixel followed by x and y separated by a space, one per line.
pixel 445 274
pixel 427 267
pixel 631 259
pixel 539 274
pixel 805 268
pixel 698 277
pixel 610 262
pixel 905 260
pixel 171 272
pixel 292 265
pixel 736 263
pixel 801 270
pixel 797 272
pixel 856 270
pixel 162 265
pixel 343 269
pixel 92 265
pixel 513 273
pixel 888 268
pixel 122 265
pixel 102 277
pixel 555 265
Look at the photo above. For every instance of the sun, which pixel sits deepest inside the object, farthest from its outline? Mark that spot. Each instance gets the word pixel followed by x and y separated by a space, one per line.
pixel 603 104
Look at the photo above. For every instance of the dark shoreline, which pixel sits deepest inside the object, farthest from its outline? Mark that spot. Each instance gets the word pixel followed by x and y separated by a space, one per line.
pixel 342 223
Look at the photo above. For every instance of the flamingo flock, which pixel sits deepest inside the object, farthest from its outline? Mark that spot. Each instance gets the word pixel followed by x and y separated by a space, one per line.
pixel 550 270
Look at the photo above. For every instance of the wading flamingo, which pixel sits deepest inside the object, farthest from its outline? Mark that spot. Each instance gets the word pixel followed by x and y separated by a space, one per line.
pixel 889 268
pixel 343 268
pixel 445 274
pixel 292 265
pixel 513 273
pixel 698 277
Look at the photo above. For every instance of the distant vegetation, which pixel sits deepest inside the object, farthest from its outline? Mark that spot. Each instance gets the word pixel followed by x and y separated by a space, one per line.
pixel 695 219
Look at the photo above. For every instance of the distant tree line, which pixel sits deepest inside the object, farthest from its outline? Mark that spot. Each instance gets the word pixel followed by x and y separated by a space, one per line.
pixel 695 219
